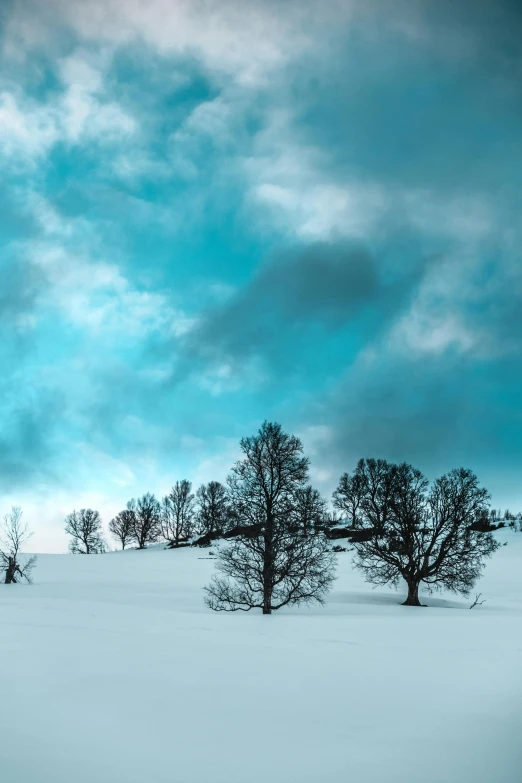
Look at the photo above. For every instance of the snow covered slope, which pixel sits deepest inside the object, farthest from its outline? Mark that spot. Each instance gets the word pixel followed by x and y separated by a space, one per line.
pixel 112 670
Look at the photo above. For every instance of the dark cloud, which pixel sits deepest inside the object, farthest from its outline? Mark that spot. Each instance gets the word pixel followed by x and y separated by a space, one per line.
pixel 421 94
pixel 437 412
pixel 28 429
pixel 20 285
pixel 324 285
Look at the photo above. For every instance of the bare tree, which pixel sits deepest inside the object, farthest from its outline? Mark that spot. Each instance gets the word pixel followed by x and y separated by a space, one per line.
pixel 146 520
pixel 477 602
pixel 348 497
pixel 122 527
pixel 311 510
pixel 14 534
pixel 272 563
pixel 422 535
pixel 85 528
pixel 177 513
pixel 214 513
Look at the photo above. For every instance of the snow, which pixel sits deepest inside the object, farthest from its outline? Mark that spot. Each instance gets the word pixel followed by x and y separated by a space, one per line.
pixel 112 670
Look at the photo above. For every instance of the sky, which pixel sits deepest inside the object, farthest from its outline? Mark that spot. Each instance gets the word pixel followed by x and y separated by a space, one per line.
pixel 216 212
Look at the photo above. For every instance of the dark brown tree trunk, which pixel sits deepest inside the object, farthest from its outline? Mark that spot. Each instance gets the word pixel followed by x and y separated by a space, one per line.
pixel 268 566
pixel 10 572
pixel 413 595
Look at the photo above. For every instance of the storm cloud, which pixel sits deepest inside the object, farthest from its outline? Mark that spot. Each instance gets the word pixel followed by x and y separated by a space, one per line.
pixel 300 211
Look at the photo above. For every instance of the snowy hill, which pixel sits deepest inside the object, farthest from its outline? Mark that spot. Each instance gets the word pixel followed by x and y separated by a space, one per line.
pixel 113 671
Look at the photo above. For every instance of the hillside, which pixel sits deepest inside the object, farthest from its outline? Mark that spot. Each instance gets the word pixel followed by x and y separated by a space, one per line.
pixel 113 670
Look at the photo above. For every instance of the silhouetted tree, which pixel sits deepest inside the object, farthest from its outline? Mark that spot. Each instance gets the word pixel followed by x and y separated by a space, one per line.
pixel 85 529
pixel 146 520
pixel 14 533
pixel 420 534
pixel 122 527
pixel 214 512
pixel 177 513
pixel 272 563
pixel 348 497
pixel 311 510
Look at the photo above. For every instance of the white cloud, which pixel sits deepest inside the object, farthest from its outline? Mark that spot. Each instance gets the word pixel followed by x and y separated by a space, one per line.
pixel 31 130
pixel 425 332
pixel 81 112
pixel 99 298
pixel 293 183
pixel 243 41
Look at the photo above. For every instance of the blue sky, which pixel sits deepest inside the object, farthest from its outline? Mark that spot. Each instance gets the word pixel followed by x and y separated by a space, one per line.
pixel 220 212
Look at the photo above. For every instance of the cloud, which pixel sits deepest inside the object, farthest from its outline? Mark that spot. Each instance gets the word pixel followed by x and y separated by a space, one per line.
pixel 245 42
pixel 78 113
pixel 19 291
pixel 323 285
pixel 30 422
pixel 99 298
pixel 300 210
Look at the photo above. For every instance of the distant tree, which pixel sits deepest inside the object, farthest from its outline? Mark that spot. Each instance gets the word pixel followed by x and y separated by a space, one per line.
pixel 311 510
pixel 177 513
pixel 14 534
pixel 348 497
pixel 420 534
pixel 85 529
pixel 146 520
pixel 122 527
pixel 214 512
pixel 272 563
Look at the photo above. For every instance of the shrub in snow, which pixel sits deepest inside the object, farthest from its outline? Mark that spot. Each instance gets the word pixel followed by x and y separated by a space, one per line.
pixel 271 563
pixel 422 534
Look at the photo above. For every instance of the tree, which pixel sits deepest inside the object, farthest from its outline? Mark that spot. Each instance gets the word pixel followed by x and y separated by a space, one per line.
pixel 348 497
pixel 311 510
pixel 272 563
pixel 213 509
pixel 420 534
pixel 85 529
pixel 177 513
pixel 146 520
pixel 122 527
pixel 14 533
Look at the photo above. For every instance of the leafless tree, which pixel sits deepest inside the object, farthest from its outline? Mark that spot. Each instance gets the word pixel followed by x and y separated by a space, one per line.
pixel 422 535
pixel 476 602
pixel 122 527
pixel 14 534
pixel 85 528
pixel 311 510
pixel 348 497
pixel 214 513
pixel 272 563
pixel 146 520
pixel 177 513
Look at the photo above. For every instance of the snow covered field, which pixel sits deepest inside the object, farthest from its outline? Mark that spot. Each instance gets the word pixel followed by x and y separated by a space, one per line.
pixel 112 670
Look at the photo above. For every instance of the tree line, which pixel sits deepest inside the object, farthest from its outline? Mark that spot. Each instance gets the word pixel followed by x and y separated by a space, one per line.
pixel 274 529
pixel 177 519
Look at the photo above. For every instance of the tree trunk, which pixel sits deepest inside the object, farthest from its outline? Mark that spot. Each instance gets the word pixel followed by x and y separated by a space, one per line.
pixel 268 565
pixel 413 595
pixel 10 572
